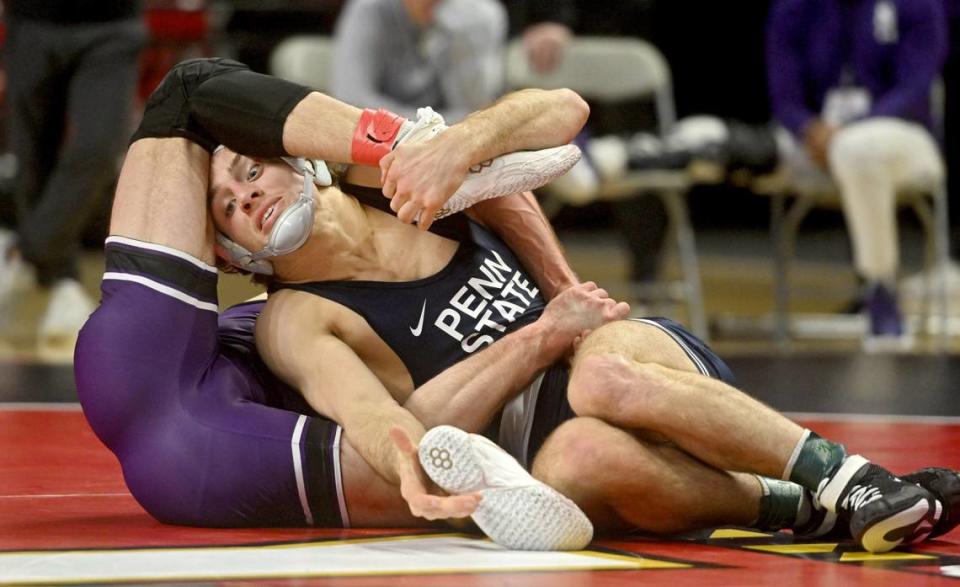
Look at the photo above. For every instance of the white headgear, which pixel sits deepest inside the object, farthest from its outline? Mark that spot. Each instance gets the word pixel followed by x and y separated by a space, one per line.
pixel 290 231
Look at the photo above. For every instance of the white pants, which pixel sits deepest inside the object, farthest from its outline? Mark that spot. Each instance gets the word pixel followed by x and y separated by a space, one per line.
pixel 871 161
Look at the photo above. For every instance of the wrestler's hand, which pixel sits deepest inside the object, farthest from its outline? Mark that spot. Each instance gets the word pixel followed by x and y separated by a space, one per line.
pixel 420 177
pixel 414 484
pixel 579 309
pixel 167 111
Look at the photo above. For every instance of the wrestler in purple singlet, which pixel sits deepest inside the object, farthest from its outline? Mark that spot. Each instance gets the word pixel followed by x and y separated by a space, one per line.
pixel 200 440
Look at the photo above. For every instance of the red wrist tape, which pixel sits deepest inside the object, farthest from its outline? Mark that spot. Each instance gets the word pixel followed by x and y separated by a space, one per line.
pixel 374 135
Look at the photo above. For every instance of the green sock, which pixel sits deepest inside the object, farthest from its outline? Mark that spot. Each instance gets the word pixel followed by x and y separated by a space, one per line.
pixel 781 505
pixel 815 459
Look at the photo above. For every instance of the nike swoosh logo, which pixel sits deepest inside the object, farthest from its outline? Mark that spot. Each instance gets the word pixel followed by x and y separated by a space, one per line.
pixel 416 331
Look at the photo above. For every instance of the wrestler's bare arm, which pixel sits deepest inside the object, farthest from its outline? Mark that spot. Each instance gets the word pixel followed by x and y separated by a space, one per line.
pixel 520 222
pixel 427 173
pixel 468 394
pixel 321 127
pixel 337 383
pixel 161 198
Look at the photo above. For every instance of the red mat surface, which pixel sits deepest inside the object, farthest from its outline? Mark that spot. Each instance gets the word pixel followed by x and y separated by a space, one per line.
pixel 61 489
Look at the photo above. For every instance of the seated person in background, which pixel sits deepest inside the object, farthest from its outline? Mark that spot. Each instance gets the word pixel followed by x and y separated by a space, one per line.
pixel 403 54
pixel 364 309
pixel 850 82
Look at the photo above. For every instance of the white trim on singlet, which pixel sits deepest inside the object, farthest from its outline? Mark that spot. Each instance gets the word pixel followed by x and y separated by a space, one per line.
pixel 338 477
pixel 161 288
pixel 298 468
pixel 693 355
pixel 161 249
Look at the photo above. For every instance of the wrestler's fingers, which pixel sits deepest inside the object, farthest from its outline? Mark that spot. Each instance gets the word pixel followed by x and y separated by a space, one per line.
pixel 407 212
pixel 397 201
pixel 433 507
pixel 402 441
pixel 389 187
pixel 427 216
pixel 620 311
pixel 385 162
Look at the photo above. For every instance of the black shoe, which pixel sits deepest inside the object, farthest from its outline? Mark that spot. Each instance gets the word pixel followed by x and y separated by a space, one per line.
pixel 944 484
pixel 821 525
pixel 883 511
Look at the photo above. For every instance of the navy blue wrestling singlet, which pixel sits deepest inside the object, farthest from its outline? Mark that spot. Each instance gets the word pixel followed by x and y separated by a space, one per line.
pixel 432 323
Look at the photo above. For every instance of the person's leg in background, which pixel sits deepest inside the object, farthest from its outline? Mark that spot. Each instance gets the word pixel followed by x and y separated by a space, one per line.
pixel 643 222
pixel 951 137
pixel 36 98
pixel 870 161
pixel 99 99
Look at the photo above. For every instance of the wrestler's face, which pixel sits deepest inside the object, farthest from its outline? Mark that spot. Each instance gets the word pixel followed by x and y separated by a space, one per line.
pixel 421 11
pixel 247 196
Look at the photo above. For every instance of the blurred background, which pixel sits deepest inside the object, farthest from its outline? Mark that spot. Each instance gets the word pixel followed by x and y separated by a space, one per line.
pixel 682 206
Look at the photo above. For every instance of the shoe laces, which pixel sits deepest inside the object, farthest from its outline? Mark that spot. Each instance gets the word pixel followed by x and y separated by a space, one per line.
pixel 859 496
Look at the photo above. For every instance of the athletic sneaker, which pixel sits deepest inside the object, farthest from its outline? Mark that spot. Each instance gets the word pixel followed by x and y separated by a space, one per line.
pixel 886 328
pixel 822 524
pixel 67 311
pixel 882 510
pixel 944 484
pixel 517 511
pixel 504 175
pixel 512 173
pixel 16 279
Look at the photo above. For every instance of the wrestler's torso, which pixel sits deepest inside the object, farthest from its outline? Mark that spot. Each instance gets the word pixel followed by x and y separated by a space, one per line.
pixel 465 296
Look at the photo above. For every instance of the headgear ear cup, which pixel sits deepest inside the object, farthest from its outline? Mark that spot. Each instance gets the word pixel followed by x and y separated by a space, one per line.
pixel 240 257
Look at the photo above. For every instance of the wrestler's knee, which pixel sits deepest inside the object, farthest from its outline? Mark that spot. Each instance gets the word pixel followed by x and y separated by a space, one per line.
pixel 571 457
pixel 606 386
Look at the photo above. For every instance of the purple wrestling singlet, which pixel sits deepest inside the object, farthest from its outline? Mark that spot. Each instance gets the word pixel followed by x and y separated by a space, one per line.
pixel 187 414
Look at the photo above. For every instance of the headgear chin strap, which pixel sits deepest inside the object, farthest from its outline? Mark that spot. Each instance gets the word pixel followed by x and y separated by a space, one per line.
pixel 290 231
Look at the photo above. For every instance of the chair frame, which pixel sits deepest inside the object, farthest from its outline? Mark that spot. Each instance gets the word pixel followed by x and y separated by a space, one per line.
pixel 596 68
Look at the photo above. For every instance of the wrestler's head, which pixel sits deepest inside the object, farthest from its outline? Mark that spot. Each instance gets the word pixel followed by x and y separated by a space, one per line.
pixel 261 208
pixel 421 11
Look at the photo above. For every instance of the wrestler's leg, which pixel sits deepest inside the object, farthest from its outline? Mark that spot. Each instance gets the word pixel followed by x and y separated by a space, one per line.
pixel 371 501
pixel 635 376
pixel 624 482
pixel 162 197
pixel 727 429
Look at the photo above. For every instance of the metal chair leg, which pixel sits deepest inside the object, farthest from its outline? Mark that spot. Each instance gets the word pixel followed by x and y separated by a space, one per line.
pixel 689 265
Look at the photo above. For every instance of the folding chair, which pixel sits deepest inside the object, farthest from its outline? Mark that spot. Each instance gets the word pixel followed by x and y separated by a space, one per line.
pixel 612 69
pixel 305 59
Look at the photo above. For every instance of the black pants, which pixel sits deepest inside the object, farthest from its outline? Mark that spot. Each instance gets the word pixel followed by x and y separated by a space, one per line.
pixel 71 91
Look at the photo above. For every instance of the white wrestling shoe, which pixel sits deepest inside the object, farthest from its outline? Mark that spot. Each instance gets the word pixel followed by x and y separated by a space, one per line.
pixel 16 279
pixel 517 511
pixel 67 311
pixel 504 175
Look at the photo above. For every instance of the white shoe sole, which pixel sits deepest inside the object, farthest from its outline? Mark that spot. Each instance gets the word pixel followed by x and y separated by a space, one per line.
pixel 510 174
pixel 528 517
pixel 890 532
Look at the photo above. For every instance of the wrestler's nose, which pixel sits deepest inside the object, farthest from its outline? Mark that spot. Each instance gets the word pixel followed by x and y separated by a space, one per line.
pixel 249 197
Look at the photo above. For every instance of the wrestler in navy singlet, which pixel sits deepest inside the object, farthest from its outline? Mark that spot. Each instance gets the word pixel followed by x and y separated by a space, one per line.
pixel 194 419
pixel 482 294
pixel 433 323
